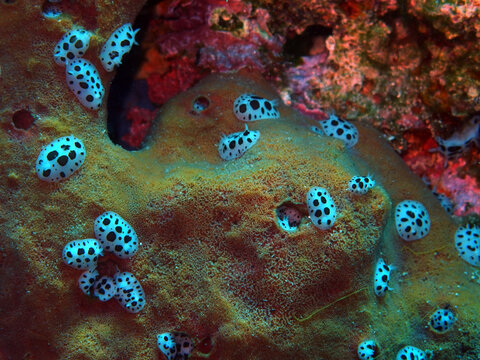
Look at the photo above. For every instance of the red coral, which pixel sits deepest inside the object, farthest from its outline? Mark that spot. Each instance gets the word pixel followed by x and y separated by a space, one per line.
pixel 182 75
pixel 140 121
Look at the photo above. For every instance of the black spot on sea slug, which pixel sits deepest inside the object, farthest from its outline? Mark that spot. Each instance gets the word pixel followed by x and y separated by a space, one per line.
pixel 52 155
pixel 111 236
pixel 62 160
pixel 254 104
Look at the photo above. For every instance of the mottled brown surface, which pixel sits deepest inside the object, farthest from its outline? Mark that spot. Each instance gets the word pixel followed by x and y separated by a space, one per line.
pixel 213 261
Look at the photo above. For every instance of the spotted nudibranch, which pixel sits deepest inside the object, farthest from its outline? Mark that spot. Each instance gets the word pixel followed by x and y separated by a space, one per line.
pixel 234 145
pixel 85 83
pixel 60 159
pixel 116 235
pixel 289 218
pixel 248 107
pixel 175 345
pixel 117 45
pixel 460 140
pixel 467 242
pixel 442 320
pixel 412 220
pixel 104 288
pixel 367 350
pixel 82 254
pixel 129 293
pixel 361 184
pixel 87 279
pixel 321 208
pixel 72 45
pixel 381 278
pixel 411 353
pixel 445 201
pixel 339 129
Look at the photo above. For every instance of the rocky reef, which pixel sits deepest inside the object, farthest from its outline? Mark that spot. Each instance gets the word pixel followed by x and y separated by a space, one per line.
pixel 213 260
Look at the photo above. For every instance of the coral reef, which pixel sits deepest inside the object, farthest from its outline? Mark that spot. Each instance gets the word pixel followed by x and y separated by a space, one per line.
pixel 213 260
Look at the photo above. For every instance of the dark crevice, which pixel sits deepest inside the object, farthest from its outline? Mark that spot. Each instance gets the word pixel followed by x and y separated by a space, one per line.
pixel 301 45
pixel 127 93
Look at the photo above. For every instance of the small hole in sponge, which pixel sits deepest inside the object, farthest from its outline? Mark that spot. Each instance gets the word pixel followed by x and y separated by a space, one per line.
pixel 294 212
pixel 50 11
pixel 9 1
pixel 199 104
pixel 205 346
pixel 23 119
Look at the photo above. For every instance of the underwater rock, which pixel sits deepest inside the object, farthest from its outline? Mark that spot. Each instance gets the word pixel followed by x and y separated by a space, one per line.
pixel 214 261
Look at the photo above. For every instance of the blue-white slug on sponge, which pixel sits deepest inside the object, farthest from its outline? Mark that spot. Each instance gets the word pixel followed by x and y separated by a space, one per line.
pixel 234 145
pixel 82 254
pixel 72 45
pixel 381 278
pixel 130 293
pixel 116 235
pixel 60 159
pixel 367 350
pixel 85 83
pixel 412 220
pixel 361 184
pixel 117 45
pixel 339 129
pixel 442 320
pixel 104 288
pixel 175 345
pixel 411 353
pixel 467 242
pixel 321 208
pixel 248 107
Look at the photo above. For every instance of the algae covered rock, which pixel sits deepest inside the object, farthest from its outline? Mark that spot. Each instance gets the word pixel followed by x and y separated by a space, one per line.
pixel 215 261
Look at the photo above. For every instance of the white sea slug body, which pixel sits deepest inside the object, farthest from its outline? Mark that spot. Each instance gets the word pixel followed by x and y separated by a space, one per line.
pixel 367 350
pixel 381 278
pixel 461 140
pixel 82 254
pixel 442 320
pixel 184 344
pixel 175 345
pixel 116 235
pixel 87 279
pixel 467 242
pixel 340 129
pixel 104 288
pixel 73 45
pixel 60 159
pixel 411 353
pixel 248 107
pixel 361 184
pixel 85 83
pixel 321 208
pixel 117 45
pixel 234 145
pixel 130 293
pixel 166 344
pixel 412 220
